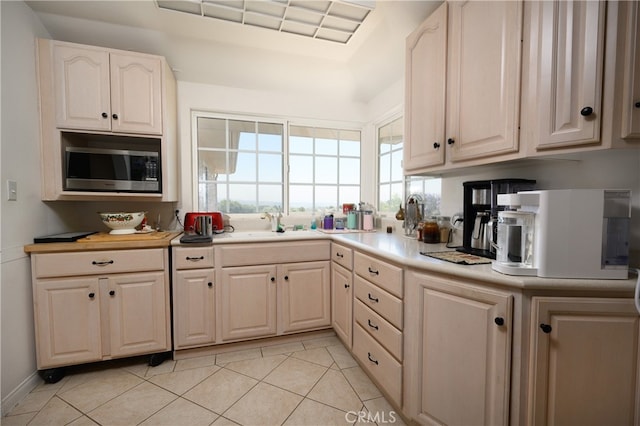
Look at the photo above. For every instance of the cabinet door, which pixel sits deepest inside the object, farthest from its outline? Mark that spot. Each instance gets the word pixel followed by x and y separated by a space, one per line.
pixel 585 362
pixel 67 319
pixel 342 303
pixel 570 55
pixel 248 302
pixel 631 79
pixel 483 78
pixel 304 296
pixel 138 313
pixel 82 88
pixel 193 308
pixel 136 95
pixel 425 91
pixel 457 353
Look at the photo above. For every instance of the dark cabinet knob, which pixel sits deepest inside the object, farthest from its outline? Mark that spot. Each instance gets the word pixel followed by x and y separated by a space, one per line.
pixel 273 279
pixel 451 141
pixel 210 284
pixel 286 277
pixel 340 255
pixel 586 111
pixel 637 104
pixel 499 321
pixel 546 328
pixel 112 293
pixel 436 145
pixel 347 286
pixel 105 115
pixel 92 295
pixel 115 116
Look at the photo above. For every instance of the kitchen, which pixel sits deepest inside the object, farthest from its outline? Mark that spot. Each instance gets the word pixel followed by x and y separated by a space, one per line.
pixel 29 217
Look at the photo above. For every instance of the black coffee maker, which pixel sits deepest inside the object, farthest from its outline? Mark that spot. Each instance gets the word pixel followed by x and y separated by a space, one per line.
pixel 480 213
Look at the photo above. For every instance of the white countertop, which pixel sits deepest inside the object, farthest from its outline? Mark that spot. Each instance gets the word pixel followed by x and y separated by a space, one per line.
pixel 406 251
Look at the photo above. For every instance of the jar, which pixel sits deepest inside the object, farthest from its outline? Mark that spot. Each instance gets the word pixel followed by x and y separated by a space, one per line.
pixel 444 223
pixel 328 222
pixel 431 231
pixel 367 221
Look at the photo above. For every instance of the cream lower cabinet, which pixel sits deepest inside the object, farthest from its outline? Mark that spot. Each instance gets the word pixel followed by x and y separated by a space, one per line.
pixel 457 352
pixel 260 296
pixel 193 290
pixel 342 292
pixel 92 306
pixel 585 355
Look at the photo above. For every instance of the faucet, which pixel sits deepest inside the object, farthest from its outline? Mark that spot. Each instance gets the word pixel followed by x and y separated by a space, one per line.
pixel 274 219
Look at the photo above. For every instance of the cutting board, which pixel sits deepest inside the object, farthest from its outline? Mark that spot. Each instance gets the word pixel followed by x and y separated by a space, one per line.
pixel 105 237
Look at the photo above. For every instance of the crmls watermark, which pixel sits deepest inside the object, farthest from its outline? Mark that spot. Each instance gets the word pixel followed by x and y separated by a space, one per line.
pixel 367 417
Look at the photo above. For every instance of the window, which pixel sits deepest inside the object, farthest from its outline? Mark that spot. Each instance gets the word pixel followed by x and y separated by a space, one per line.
pixel 393 187
pixel 324 168
pixel 241 164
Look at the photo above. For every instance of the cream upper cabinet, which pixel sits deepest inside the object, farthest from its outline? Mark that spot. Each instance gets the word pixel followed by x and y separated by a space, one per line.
pixel 463 85
pixel 457 352
pixel 585 362
pixel 568 64
pixel 96 89
pixel 425 93
pixel 631 74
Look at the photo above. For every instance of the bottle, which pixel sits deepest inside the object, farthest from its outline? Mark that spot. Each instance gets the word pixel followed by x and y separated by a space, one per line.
pixel 431 231
pixel 313 222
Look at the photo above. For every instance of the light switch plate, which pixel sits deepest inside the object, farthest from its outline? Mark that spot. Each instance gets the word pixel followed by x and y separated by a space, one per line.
pixel 12 190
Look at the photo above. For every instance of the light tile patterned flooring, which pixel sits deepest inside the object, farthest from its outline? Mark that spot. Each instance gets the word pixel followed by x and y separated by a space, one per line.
pixel 306 382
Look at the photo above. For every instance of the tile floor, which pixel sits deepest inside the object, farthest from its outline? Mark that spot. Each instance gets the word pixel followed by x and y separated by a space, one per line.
pixel 306 382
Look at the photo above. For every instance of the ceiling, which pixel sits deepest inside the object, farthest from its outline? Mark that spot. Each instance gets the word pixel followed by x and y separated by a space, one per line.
pixel 210 51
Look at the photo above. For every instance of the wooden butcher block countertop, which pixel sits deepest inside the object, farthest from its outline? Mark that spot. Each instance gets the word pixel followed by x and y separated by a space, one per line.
pixel 105 241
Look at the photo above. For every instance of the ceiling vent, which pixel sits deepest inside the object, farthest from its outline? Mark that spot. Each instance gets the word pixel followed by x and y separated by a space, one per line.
pixel 334 21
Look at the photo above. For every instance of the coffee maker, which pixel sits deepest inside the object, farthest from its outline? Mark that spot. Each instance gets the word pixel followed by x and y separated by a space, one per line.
pixel 480 213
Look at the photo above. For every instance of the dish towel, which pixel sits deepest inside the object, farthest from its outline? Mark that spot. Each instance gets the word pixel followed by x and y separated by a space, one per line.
pixel 458 257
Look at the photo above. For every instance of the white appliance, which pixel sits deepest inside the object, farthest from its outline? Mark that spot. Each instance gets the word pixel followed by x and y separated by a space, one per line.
pixel 577 233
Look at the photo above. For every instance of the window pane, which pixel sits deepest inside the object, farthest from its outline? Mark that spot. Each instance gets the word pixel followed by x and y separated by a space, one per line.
pixel 246 169
pixel 270 168
pixel 211 133
pixel 326 170
pixel 300 145
pixel 242 198
pixel 300 197
pixel 326 146
pixel 385 168
pixel 326 198
pixel 384 193
pixel 242 135
pixel 269 197
pixel 350 171
pixel 300 169
pixel 350 148
pixel 385 148
pixel 270 137
pixel 349 195
pixel 396 166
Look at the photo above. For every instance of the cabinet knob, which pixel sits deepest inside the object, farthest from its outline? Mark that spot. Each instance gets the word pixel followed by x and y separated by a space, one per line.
pixel 210 284
pixel 546 328
pixel 339 255
pixel 586 111
pixel 112 293
pixel 105 115
pixel 273 279
pixel 451 141
pixel 373 299
pixel 499 321
pixel 637 104
pixel 92 295
pixel 371 358
pixel 286 277
pixel 115 116
pixel 375 327
pixel 347 286
pixel 436 145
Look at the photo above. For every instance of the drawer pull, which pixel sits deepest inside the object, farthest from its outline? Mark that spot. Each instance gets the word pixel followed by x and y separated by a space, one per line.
pixel 195 259
pixel 339 255
pixel 546 328
pixel 102 262
pixel 375 327
pixel 371 359
pixel 373 271
pixel 373 299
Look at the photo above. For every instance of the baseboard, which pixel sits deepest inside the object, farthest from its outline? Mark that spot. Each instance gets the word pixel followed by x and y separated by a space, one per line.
pixel 19 393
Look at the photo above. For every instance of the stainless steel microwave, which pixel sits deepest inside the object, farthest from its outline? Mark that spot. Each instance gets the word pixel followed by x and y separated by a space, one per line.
pixel 111 170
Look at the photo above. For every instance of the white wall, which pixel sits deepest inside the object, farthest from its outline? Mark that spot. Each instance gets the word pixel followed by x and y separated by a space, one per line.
pixel 27 216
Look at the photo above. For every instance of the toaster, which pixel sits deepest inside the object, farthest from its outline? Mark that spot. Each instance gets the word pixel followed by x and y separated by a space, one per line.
pixel 216 221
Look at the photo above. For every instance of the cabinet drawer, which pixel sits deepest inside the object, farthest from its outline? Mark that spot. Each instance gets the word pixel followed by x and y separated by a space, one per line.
pixel 193 257
pixel 385 304
pixel 383 274
pixel 97 262
pixel 342 255
pixel 379 363
pixel 381 330
pixel 273 253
